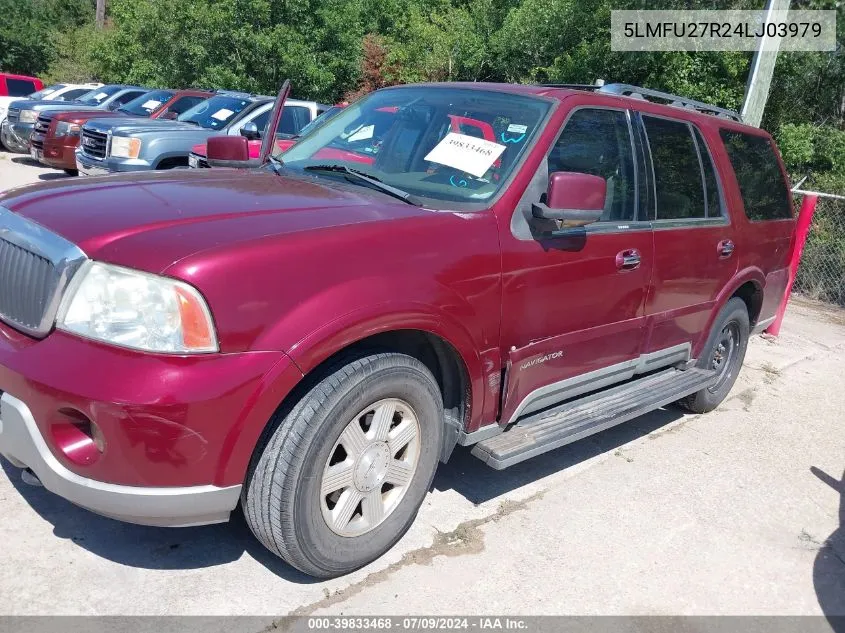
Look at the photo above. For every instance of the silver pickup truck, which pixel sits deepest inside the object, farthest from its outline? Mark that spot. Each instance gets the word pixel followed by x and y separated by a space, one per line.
pixel 130 144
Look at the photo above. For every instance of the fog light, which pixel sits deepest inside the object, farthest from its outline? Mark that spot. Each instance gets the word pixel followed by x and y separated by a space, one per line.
pixel 78 438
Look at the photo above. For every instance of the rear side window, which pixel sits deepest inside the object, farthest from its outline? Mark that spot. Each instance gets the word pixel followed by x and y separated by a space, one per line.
pixel 761 183
pixel 711 185
pixel 598 142
pixel 677 170
pixel 294 118
pixel 19 87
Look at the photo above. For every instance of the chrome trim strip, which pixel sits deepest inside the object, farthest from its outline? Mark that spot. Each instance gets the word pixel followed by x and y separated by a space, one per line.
pixel 693 223
pixel 556 392
pixel 65 256
pixel 484 433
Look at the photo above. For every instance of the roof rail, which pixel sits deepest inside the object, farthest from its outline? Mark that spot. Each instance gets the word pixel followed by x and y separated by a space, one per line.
pixel 573 86
pixel 636 92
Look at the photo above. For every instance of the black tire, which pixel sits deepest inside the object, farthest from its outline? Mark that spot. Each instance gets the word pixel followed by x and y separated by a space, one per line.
pixel 281 497
pixel 72 172
pixel 734 315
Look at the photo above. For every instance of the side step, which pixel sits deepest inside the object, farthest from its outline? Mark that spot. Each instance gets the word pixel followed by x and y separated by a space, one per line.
pixel 576 419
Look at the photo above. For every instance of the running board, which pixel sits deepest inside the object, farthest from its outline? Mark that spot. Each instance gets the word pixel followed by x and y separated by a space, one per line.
pixel 576 419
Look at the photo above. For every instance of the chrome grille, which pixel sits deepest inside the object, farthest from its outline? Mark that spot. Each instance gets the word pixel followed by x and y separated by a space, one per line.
pixel 197 161
pixel 26 284
pixel 13 115
pixel 40 131
pixel 93 143
pixel 35 268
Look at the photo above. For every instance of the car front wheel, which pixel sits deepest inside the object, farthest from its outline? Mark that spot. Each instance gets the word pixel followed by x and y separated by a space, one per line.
pixel 342 472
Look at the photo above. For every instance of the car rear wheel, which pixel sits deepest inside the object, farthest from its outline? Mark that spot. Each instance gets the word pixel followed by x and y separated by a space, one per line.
pixel 723 353
pixel 341 474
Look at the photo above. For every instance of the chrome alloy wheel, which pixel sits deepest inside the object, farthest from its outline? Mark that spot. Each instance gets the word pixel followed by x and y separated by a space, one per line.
pixel 370 467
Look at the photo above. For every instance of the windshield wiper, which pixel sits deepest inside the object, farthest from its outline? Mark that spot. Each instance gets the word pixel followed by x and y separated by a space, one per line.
pixel 353 175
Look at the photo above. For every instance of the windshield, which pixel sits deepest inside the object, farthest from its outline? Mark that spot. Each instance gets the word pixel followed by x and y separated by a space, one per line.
pixel 98 95
pixel 45 92
pixel 216 112
pixel 147 103
pixel 450 144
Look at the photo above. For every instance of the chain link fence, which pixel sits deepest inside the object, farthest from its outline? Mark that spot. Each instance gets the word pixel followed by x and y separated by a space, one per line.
pixel 821 273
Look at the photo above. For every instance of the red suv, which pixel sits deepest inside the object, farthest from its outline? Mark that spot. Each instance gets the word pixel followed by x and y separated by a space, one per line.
pixel 309 339
pixel 56 135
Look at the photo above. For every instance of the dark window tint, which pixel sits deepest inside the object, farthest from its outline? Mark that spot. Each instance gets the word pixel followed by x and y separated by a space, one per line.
pixel 19 87
pixel 598 142
pixel 711 186
pixel 761 183
pixel 294 118
pixel 70 95
pixel 126 97
pixel 185 103
pixel 645 184
pixel 677 170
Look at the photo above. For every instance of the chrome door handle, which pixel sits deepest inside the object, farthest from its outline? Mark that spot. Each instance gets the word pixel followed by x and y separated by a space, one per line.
pixel 628 259
pixel 725 248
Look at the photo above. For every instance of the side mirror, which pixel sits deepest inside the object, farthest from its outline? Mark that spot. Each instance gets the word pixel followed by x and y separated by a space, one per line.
pixel 250 131
pixel 573 199
pixel 228 151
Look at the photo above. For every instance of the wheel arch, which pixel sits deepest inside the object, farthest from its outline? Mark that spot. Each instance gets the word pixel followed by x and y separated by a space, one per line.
pixel 748 284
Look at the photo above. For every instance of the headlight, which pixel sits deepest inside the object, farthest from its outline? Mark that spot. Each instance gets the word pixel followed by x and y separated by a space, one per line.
pixel 134 309
pixel 28 116
pixel 125 147
pixel 67 129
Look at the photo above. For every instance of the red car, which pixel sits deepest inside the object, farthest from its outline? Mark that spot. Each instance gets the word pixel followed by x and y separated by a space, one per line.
pixel 18 85
pixel 56 136
pixel 310 338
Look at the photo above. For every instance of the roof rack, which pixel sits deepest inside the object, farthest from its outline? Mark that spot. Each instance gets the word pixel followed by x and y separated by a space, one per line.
pixel 636 92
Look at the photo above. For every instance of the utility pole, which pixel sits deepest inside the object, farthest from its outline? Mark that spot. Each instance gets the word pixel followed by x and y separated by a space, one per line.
pixel 100 18
pixel 762 68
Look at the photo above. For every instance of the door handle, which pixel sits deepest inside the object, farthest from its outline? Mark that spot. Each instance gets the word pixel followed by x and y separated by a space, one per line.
pixel 628 259
pixel 725 248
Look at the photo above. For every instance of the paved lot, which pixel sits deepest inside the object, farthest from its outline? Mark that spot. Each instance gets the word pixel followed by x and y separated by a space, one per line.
pixel 727 513
pixel 18 169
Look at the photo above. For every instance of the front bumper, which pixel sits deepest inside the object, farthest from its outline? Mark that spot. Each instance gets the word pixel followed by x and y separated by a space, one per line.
pixel 89 166
pixel 15 136
pixel 23 445
pixel 178 432
pixel 60 152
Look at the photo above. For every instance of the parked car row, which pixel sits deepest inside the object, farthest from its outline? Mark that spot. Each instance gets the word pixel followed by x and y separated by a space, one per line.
pixel 99 129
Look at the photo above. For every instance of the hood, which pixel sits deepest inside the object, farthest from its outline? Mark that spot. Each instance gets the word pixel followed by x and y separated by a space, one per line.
pixel 133 126
pixel 41 106
pixel 150 220
pixel 78 116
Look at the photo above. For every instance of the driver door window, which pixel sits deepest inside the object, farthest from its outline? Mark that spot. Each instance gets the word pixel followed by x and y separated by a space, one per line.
pixel 598 142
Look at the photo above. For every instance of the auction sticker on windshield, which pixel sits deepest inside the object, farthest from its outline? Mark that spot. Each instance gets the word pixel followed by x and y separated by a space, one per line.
pixel 467 153
pixel 222 114
pixel 152 104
